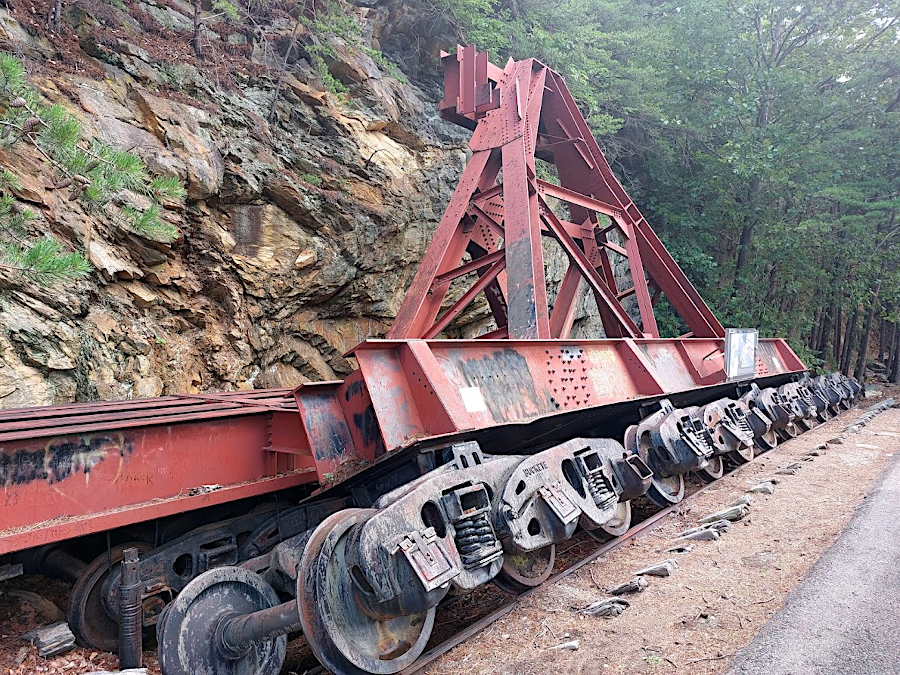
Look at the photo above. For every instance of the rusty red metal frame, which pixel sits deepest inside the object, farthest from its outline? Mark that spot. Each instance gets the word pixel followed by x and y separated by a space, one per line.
pixel 409 390
pixel 67 471
pixel 521 114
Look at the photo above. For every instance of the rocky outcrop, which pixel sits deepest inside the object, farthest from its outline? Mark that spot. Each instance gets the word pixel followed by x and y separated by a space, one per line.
pixel 301 229
pixel 297 239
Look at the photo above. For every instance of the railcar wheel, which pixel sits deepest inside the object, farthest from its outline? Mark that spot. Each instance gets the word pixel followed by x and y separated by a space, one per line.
pixel 88 618
pixel 788 432
pixel 524 571
pixel 188 631
pixel 712 471
pixel 807 423
pixel 666 491
pixel 616 527
pixel 663 491
pixel 742 455
pixel 768 441
pixel 343 638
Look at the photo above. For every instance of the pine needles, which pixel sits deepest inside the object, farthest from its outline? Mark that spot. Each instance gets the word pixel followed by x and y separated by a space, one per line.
pixel 107 180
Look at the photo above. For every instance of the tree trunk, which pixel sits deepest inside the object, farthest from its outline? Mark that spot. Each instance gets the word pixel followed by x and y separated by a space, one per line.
pixel 54 18
pixel 867 331
pixel 822 347
pixel 882 329
pixel 282 71
pixel 813 339
pixel 848 341
pixel 195 38
pixel 743 256
pixel 794 333
pixel 895 368
pixel 892 352
pixel 836 350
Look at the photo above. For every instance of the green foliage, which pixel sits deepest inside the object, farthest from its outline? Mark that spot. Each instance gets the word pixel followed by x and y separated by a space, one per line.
pixel 227 9
pixel 43 260
pixel 98 174
pixel 328 19
pixel 40 259
pixel 311 178
pixel 604 48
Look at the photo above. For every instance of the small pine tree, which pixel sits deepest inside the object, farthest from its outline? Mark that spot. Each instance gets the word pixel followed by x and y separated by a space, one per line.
pixel 94 172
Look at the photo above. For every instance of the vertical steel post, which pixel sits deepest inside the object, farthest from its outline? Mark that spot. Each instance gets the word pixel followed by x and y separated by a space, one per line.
pixel 131 613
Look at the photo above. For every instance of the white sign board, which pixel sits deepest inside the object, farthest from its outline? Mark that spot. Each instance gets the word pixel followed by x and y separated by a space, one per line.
pixel 740 352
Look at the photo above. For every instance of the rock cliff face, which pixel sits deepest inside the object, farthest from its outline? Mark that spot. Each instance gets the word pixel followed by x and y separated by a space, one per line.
pixel 302 228
pixel 298 236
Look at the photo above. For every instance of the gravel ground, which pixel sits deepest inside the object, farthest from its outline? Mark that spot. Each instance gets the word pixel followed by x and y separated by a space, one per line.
pixel 695 621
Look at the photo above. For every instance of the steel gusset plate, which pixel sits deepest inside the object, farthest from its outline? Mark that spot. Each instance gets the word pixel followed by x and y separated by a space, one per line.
pixel 345 639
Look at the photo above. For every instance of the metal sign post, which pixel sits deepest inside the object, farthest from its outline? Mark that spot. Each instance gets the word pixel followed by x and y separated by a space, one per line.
pixel 740 352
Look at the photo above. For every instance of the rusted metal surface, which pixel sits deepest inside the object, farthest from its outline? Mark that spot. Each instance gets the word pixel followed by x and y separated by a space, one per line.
pixel 93 467
pixel 72 470
pixel 89 616
pixel 131 623
pixel 191 630
pixel 521 113
pixel 342 637
pixel 429 388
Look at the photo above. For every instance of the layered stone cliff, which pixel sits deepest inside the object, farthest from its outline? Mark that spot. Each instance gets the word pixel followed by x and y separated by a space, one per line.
pixel 297 238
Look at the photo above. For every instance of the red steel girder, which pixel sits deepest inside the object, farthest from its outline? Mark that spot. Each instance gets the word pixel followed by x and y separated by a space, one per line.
pixel 516 112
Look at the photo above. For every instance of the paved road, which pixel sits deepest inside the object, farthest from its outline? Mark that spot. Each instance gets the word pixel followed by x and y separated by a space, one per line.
pixel 844 617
